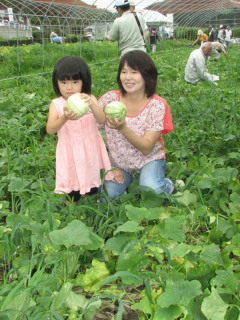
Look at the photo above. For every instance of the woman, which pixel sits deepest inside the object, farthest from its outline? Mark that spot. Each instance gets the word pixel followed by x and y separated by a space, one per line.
pixel 201 36
pixel 135 144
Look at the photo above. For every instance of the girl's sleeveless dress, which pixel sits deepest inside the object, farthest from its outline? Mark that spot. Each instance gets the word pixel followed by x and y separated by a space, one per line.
pixel 80 154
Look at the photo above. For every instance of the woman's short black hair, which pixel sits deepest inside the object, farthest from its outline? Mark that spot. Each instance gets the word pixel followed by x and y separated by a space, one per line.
pixel 72 67
pixel 142 62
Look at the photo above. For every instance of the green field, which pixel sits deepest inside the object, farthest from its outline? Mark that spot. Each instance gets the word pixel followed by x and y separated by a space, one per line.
pixel 144 256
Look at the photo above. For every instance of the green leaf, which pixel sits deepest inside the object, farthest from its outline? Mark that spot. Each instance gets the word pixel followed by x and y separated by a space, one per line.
pixel 116 244
pixel 171 229
pixel 170 313
pixel 213 307
pixel 93 276
pixel 61 296
pixel 76 301
pixel 129 226
pixel 186 198
pixel 18 185
pixel 226 282
pixel 212 255
pixel 136 214
pixel 179 291
pixel 76 233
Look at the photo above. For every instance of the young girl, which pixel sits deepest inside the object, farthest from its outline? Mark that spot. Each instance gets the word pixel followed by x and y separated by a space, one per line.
pixel 80 153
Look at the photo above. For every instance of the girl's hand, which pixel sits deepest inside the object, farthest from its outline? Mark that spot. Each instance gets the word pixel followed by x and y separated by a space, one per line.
pixel 118 176
pixel 114 123
pixel 70 115
pixel 87 98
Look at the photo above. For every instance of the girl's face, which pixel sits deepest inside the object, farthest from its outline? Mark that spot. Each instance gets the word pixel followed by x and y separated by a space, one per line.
pixel 69 87
pixel 132 80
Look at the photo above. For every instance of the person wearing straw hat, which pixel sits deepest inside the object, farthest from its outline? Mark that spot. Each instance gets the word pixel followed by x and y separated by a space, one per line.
pixel 201 36
pixel 128 29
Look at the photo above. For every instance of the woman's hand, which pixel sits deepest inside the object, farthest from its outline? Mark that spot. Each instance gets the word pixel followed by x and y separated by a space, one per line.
pixel 70 115
pixel 118 176
pixel 114 123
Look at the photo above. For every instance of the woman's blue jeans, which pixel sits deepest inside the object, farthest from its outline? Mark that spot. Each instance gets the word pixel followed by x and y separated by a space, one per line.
pixel 152 175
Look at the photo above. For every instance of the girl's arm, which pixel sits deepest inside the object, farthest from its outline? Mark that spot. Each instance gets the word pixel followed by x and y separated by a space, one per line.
pixel 55 123
pixel 144 144
pixel 94 106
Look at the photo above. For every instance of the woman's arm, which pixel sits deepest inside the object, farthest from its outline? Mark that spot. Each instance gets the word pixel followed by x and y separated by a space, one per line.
pixel 144 144
pixel 55 123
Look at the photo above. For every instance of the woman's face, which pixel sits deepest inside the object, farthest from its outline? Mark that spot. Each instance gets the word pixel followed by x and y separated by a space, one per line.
pixel 132 80
pixel 69 87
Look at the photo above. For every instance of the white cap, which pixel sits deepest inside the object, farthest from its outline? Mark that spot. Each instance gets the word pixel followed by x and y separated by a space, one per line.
pixel 200 32
pixel 132 3
pixel 221 26
pixel 119 3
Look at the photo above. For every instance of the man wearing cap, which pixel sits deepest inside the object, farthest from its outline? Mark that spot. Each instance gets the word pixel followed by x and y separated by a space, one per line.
pixel 201 36
pixel 212 34
pixel 195 70
pixel 133 9
pixel 222 34
pixel 125 29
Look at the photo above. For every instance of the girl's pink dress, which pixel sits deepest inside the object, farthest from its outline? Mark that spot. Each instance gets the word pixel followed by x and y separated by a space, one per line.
pixel 80 154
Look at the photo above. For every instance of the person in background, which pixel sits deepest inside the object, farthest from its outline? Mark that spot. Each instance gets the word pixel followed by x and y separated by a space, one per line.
pixel 201 36
pixel 81 152
pixel 153 38
pixel 52 35
pixel 133 9
pixel 222 34
pixel 212 34
pixel 135 144
pixel 195 70
pixel 217 48
pixel 228 36
pixel 126 30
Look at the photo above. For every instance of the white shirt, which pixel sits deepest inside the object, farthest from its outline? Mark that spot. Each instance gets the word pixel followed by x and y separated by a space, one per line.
pixel 196 68
pixel 228 35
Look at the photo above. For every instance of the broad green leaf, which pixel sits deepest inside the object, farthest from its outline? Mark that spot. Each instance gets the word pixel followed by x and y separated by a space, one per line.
pixel 213 307
pixel 61 296
pixel 129 226
pixel 205 183
pixel 136 214
pixel 144 305
pixel 116 244
pixel 181 250
pixel 235 204
pixel 20 303
pixel 186 198
pixel 93 276
pixel 179 292
pixel 170 313
pixel 78 302
pixel 226 282
pixel 212 255
pixel 172 229
pixel 76 233
pixel 18 185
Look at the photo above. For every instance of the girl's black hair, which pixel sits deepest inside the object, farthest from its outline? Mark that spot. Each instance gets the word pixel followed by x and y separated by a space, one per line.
pixel 72 67
pixel 142 62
